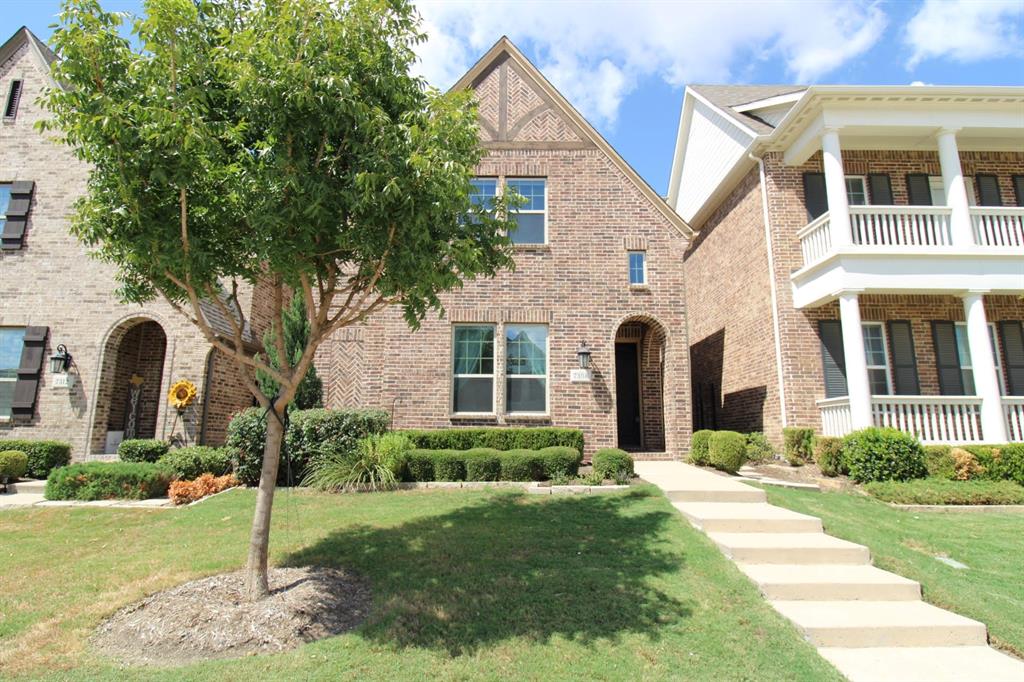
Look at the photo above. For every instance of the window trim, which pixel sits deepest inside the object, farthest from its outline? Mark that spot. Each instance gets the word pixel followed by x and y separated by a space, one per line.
pixel 531 211
pixel 487 178
pixel 864 186
pixel 643 267
pixel 3 213
pixel 546 375
pixel 12 102
pixel 4 418
pixel 885 354
pixel 453 376
pixel 997 357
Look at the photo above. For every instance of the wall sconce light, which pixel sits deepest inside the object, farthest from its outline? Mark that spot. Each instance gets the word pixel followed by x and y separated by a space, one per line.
pixel 61 360
pixel 583 355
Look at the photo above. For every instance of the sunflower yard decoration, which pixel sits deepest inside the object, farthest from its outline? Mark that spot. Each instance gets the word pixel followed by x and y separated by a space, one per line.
pixel 182 394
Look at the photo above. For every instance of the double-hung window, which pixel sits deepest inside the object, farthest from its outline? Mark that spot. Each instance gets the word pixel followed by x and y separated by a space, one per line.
pixel 963 348
pixel 473 369
pixel 876 357
pixel 11 343
pixel 526 368
pixel 5 201
pixel 482 193
pixel 638 267
pixel 856 190
pixel 530 217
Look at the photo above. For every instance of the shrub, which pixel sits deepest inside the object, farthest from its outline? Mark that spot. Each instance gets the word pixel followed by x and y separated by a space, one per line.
pixel 420 464
pixel 1001 462
pixel 613 463
pixel 699 447
pixel 191 462
pixel 108 480
pixel 247 433
pixel 316 432
pixel 758 448
pixel 940 491
pixel 797 444
pixel 560 460
pixel 378 463
pixel 449 465
pixel 727 450
pixel 875 454
pixel 183 492
pixel 521 465
pixel 483 464
pixel 43 455
pixel 938 460
pixel 499 438
pixel 142 450
pixel 13 464
pixel 965 465
pixel 828 453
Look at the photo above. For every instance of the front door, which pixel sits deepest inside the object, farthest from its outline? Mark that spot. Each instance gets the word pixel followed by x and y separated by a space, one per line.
pixel 627 395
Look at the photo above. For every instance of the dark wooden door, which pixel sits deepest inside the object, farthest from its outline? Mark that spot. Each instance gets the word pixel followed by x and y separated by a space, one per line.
pixel 627 394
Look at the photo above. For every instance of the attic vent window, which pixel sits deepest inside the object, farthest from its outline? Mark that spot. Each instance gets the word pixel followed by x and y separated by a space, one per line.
pixel 13 97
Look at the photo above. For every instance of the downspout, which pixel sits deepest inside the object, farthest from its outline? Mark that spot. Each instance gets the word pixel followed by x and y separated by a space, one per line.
pixel 772 288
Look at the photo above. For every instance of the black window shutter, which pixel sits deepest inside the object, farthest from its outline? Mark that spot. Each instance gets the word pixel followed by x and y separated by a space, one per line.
pixel 17 215
pixel 880 188
pixel 815 198
pixel 947 358
pixel 1012 334
pixel 904 360
pixel 919 191
pixel 833 361
pixel 26 388
pixel 1018 189
pixel 988 190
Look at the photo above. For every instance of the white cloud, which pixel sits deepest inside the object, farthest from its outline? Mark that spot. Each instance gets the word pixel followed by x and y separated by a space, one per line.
pixel 965 30
pixel 597 52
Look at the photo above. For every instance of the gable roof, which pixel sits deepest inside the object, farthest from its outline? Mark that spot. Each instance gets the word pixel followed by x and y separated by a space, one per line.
pixel 505 48
pixel 22 36
pixel 725 97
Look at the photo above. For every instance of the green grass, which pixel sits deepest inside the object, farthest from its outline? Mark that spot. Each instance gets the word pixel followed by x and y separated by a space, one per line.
pixel 467 584
pixel 991 589
pixel 941 491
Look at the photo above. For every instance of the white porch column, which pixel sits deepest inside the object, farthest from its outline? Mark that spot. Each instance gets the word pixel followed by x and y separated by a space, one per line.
pixel 857 384
pixel 956 190
pixel 835 188
pixel 986 381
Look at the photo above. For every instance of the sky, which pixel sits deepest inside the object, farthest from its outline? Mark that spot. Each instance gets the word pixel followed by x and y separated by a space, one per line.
pixel 624 63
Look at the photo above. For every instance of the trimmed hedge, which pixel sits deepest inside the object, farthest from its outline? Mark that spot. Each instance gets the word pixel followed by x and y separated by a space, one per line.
pixel 940 491
pixel 828 453
pixel 797 445
pixel 613 463
pixel 189 463
pixel 43 455
pixel 13 464
pixel 521 465
pixel 498 438
pixel 107 481
pixel 875 454
pixel 699 447
pixel 758 448
pixel 1001 462
pixel 483 464
pixel 727 450
pixel 142 450
pixel 486 464
pixel 938 459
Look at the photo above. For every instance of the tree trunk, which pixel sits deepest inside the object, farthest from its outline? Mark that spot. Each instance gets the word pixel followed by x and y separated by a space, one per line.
pixel 256 583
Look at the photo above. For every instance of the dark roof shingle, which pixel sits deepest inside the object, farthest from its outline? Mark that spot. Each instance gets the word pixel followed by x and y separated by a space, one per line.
pixel 725 97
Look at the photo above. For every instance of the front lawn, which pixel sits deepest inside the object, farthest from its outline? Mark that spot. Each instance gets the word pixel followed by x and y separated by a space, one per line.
pixel 990 589
pixel 468 584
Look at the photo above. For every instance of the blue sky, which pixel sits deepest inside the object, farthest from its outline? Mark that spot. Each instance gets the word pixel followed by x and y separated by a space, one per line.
pixel 625 64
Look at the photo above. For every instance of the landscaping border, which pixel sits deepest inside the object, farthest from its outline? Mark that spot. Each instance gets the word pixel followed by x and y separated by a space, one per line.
pixel 1016 508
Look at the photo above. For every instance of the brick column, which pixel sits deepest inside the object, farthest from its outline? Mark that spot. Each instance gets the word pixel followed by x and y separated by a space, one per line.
pixel 986 381
pixel 857 385
pixel 835 188
pixel 956 190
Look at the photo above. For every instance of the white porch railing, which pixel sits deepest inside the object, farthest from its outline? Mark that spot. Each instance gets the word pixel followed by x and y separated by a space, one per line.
pixel 933 419
pixel 901 225
pixel 835 416
pixel 998 226
pixel 816 239
pixel 1013 409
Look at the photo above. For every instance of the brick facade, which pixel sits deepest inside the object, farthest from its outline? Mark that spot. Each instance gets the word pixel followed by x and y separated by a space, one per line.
pixel 577 284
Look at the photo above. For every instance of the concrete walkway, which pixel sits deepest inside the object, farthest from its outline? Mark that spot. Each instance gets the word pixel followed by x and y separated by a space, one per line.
pixel 869 623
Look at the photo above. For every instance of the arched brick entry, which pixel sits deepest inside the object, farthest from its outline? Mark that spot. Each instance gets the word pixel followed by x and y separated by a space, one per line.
pixel 130 383
pixel 639 384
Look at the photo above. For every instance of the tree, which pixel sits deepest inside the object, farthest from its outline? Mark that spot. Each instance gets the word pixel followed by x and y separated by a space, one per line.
pixel 279 143
pixel 295 321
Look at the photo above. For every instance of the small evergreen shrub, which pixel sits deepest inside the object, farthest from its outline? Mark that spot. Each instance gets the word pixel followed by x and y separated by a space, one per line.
pixel 449 465
pixel 1000 462
pixel 191 462
pixel 727 450
pixel 499 438
pixel 521 465
pixel 13 464
pixel 875 454
pixel 108 481
pixel 613 463
pixel 43 455
pixel 758 448
pixel 142 450
pixel 797 445
pixel 560 460
pixel 316 432
pixel 941 491
pixel 938 459
pixel 483 464
pixel 420 465
pixel 699 447
pixel 247 433
pixel 828 453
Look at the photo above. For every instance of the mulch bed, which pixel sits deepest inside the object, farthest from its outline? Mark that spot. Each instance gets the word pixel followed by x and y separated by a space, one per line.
pixel 210 618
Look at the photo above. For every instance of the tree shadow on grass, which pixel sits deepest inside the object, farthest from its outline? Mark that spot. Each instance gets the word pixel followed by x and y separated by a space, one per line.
pixel 513 566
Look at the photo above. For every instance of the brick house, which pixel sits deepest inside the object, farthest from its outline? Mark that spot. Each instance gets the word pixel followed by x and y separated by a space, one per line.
pixel 124 357
pixel 599 260
pixel 859 258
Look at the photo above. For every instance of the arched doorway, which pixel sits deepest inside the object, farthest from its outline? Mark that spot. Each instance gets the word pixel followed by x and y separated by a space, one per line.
pixel 130 384
pixel 639 385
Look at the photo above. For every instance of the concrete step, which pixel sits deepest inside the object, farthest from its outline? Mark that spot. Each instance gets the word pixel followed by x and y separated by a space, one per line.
pixel 31 487
pixel 747 517
pixel 683 483
pixel 827 582
pixel 721 495
pixel 851 624
pixel 925 664
pixel 789 548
